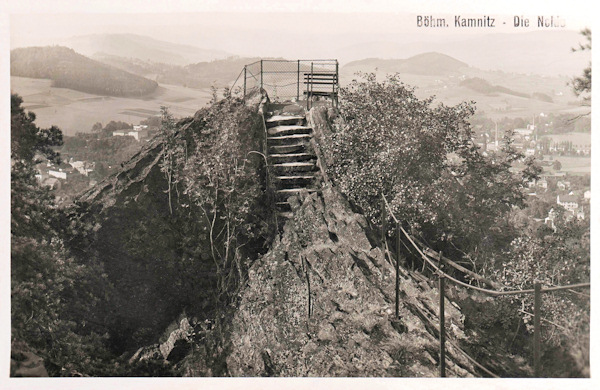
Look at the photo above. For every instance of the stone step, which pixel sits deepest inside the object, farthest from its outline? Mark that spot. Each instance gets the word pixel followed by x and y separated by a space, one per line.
pixel 283 205
pixel 294 167
pixel 294 191
pixel 286 130
pixel 285 120
pixel 288 139
pixel 285 214
pixel 295 181
pixel 300 176
pixel 294 148
pixel 291 157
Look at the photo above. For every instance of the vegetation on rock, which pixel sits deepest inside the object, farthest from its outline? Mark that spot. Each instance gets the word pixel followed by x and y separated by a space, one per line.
pixel 459 200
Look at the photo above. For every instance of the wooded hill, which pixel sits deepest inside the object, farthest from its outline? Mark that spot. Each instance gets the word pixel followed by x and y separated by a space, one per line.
pixel 218 73
pixel 68 69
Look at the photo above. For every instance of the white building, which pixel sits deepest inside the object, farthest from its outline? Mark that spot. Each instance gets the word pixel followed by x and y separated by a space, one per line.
pixel 569 202
pixel 58 174
pixel 138 132
pixel 82 167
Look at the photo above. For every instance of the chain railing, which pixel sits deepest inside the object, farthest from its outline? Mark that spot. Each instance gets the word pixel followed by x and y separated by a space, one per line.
pixel 430 257
pixel 287 80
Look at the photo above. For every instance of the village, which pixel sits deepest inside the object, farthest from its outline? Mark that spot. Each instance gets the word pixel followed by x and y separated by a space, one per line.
pixel 87 158
pixel 563 190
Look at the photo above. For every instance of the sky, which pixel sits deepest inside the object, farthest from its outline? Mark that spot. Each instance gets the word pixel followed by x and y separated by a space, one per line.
pixel 274 31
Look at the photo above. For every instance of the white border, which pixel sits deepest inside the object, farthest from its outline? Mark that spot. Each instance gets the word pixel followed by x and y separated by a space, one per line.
pixel 581 12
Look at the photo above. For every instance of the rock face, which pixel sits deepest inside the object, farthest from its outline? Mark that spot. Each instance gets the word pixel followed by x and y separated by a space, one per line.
pixel 25 363
pixel 177 344
pixel 321 303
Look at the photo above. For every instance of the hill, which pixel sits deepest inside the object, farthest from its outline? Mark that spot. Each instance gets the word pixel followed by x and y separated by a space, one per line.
pixel 482 86
pixel 423 64
pixel 537 52
pixel 219 73
pixel 68 69
pixel 141 47
pixel 451 81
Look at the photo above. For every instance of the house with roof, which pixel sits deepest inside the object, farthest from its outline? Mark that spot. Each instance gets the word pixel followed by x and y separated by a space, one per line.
pixel 542 183
pixel 569 202
pixel 139 132
pixel 563 185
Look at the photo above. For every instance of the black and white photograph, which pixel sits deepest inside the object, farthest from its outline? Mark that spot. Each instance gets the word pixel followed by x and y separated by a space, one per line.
pixel 336 194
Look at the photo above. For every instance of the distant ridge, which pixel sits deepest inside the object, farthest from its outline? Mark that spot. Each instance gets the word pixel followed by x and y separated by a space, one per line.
pixel 426 64
pixel 68 69
pixel 141 47
pixel 218 73
pixel 537 52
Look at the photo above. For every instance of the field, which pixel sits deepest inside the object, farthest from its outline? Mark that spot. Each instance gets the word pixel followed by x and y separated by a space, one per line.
pixel 575 165
pixel 576 138
pixel 447 89
pixel 74 111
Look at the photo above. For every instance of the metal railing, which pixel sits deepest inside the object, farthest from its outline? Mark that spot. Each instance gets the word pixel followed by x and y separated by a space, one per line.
pixel 428 256
pixel 286 80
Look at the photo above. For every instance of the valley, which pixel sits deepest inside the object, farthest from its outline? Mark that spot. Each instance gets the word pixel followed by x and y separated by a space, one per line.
pixel 74 111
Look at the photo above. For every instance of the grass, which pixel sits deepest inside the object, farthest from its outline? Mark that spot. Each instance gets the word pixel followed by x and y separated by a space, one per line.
pixel 576 165
pixel 74 111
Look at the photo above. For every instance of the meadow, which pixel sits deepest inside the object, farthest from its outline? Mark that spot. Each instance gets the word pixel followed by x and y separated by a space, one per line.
pixel 75 112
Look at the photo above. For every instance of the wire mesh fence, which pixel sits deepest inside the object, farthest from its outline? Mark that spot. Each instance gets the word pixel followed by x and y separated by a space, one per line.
pixel 287 80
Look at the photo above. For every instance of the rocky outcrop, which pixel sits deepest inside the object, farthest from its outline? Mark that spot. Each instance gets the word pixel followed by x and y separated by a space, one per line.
pixel 177 342
pixel 321 301
pixel 24 362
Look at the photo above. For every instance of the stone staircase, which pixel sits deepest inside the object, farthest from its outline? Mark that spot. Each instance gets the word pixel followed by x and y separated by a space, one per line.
pixel 290 156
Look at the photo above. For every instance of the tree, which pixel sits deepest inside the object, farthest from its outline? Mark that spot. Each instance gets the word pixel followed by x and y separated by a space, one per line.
pixel 423 160
pixel 556 165
pixel 97 127
pixel 582 85
pixel 50 292
pixel 28 140
pixel 554 258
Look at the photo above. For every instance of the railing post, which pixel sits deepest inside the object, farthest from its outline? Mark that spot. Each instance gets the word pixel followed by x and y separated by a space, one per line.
pixel 442 328
pixel 537 302
pixel 261 74
pixel 383 220
pixel 245 67
pixel 398 238
pixel 337 80
pixel 298 84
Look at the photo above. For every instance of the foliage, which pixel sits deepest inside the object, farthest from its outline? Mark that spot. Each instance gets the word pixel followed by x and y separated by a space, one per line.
pixel 582 85
pixel 51 292
pixel 26 139
pixel 110 151
pixel 554 258
pixel 223 182
pixel 556 165
pixel 423 159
